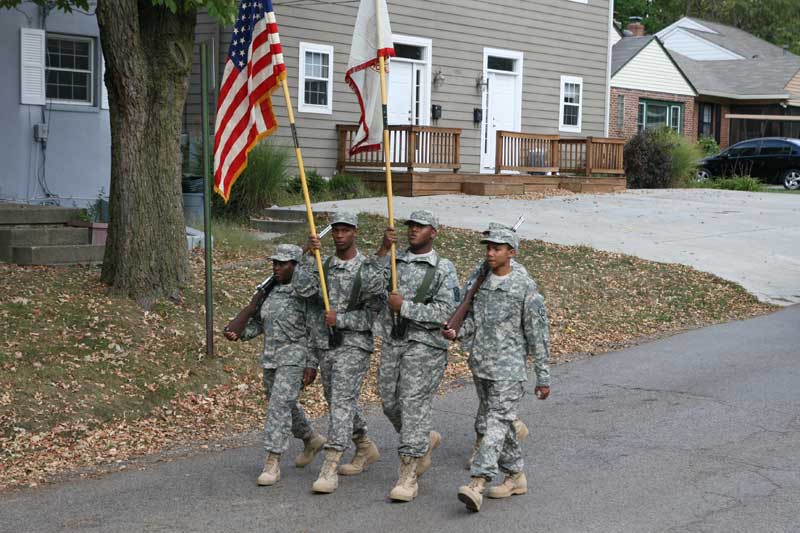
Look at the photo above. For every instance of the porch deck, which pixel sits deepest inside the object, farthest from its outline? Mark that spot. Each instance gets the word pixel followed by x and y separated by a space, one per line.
pixel 524 163
pixel 433 183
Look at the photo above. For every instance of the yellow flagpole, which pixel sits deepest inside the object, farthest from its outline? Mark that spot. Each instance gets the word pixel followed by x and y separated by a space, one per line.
pixel 311 226
pixel 386 154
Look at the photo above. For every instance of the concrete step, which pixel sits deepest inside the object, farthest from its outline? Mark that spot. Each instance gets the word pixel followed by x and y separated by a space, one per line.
pixel 277 226
pixel 39 235
pixel 58 255
pixel 282 213
pixel 16 214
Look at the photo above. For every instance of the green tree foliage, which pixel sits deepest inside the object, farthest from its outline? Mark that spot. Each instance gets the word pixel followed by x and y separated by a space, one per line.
pixel 775 21
pixel 223 10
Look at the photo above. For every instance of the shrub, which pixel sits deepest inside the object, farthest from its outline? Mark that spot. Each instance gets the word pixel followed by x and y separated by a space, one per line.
pixel 707 146
pixel 738 183
pixel 261 185
pixel 648 163
pixel 316 184
pixel 660 158
pixel 344 186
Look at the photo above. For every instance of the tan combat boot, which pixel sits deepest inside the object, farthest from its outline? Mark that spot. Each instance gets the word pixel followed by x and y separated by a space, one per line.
pixel 272 470
pixel 328 481
pixel 406 488
pixel 512 485
pixel 424 463
pixel 475 448
pixel 521 429
pixel 366 454
pixel 472 495
pixel 312 446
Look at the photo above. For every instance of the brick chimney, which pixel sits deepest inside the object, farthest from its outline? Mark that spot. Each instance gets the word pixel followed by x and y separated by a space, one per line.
pixel 635 27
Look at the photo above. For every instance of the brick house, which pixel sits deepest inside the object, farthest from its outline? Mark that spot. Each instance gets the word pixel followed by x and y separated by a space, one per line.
pixel 648 89
pixel 746 87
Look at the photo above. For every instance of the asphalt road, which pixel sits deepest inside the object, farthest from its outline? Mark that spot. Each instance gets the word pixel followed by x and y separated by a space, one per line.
pixel 748 238
pixel 697 432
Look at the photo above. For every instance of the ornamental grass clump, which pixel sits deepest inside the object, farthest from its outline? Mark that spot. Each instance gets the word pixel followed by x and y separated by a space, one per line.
pixel 262 184
pixel 660 158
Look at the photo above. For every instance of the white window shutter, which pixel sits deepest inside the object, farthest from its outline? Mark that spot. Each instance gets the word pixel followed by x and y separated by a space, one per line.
pixel 103 89
pixel 32 48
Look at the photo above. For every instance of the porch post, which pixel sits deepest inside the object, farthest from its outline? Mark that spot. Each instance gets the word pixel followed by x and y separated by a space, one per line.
pixel 498 152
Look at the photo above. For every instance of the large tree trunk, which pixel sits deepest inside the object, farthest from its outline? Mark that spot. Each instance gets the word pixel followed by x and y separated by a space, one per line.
pixel 148 54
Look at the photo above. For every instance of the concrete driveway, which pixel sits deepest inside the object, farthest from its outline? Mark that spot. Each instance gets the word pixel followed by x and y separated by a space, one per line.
pixel 749 238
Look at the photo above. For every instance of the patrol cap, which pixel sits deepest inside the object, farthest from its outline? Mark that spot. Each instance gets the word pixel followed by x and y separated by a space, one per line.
pixel 423 218
pixel 345 217
pixel 496 225
pixel 502 236
pixel 287 252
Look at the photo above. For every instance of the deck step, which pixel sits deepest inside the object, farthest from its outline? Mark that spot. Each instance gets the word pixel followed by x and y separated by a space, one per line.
pixel 282 213
pixel 277 226
pixel 15 214
pixel 67 254
pixel 283 220
pixel 493 189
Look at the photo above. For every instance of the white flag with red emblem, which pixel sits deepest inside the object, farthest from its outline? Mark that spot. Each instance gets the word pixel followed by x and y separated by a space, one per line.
pixel 372 38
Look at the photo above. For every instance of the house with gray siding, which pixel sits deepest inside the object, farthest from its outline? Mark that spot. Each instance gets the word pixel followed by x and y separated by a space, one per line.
pixel 539 67
pixel 56 138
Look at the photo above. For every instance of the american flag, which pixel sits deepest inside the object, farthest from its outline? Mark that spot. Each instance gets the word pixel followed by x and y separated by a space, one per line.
pixel 253 71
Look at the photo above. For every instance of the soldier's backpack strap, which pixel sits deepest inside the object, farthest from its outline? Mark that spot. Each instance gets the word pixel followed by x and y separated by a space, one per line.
pixel 326 270
pixel 425 287
pixel 355 292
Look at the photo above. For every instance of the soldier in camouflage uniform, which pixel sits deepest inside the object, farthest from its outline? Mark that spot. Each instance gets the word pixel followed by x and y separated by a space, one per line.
pixel 288 365
pixel 480 419
pixel 344 350
pixel 413 353
pixel 507 322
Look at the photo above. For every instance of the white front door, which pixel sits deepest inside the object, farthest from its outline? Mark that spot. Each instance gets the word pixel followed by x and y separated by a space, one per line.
pixel 405 84
pixel 499 113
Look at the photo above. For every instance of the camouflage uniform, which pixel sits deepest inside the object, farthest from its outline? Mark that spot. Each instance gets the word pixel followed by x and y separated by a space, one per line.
pixel 343 368
pixel 282 320
pixel 507 321
pixel 411 368
pixel 480 417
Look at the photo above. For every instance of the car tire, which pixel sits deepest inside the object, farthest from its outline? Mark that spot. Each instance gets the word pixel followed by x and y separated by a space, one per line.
pixel 702 175
pixel 791 179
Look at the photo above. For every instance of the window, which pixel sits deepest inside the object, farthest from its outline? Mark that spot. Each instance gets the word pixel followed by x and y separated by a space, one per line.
pixel 69 69
pixel 745 149
pixel 409 51
pixel 620 113
pixel 500 63
pixel 776 148
pixel 315 88
pixel 705 121
pixel 654 114
pixel 571 104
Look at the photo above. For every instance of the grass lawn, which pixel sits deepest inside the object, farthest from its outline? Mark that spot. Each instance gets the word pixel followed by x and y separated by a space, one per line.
pixel 88 378
pixel 781 190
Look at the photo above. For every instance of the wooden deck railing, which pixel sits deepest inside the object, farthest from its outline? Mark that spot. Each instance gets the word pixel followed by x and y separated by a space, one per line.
pixel 527 152
pixel 592 155
pixel 412 147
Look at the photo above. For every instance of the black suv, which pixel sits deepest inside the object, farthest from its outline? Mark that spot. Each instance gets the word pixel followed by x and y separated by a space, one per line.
pixel 771 159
